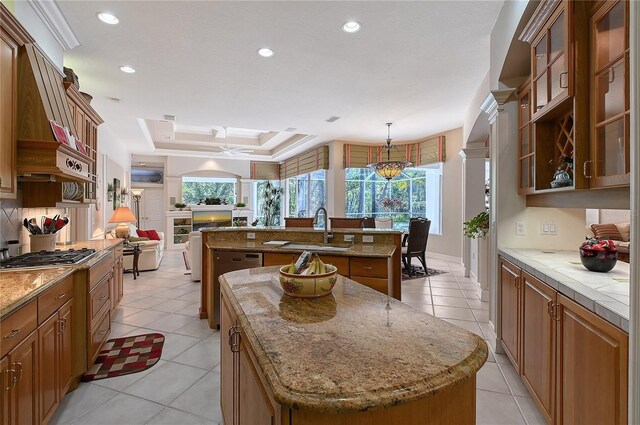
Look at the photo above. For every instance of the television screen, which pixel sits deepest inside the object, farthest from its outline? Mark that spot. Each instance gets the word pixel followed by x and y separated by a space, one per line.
pixel 211 219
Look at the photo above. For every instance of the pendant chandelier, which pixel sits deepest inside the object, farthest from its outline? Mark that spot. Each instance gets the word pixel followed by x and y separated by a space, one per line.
pixel 389 169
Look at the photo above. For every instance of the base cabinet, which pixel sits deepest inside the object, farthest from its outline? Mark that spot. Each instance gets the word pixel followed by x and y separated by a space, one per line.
pixel 510 311
pixel 573 362
pixel 23 388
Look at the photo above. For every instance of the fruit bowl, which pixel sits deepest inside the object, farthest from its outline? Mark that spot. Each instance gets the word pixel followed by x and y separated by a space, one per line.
pixel 598 260
pixel 309 285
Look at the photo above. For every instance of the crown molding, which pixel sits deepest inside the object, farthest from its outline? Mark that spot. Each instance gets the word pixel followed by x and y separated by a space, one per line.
pixel 52 17
pixel 540 16
pixel 470 153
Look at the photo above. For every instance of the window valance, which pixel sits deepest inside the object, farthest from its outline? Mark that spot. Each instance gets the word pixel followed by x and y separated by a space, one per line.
pixel 265 170
pixel 313 160
pixel 428 151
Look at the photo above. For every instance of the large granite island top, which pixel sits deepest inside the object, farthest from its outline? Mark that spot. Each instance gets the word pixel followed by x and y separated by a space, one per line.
pixel 19 286
pixel 354 350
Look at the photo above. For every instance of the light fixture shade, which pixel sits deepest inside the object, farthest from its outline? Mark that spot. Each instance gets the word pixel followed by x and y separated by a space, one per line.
pixel 389 169
pixel 137 192
pixel 122 215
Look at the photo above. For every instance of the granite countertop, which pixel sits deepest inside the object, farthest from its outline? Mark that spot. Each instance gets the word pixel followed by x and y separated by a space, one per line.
pixel 19 286
pixel 356 250
pixel 347 351
pixel 299 230
pixel 605 294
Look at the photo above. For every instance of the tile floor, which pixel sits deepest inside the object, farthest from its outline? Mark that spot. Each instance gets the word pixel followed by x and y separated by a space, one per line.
pixel 183 387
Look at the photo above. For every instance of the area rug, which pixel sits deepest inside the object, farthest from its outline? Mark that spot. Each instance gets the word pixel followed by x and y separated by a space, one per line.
pixel 418 271
pixel 122 356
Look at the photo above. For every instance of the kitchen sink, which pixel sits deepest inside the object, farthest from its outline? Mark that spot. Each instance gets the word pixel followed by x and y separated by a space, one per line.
pixel 318 247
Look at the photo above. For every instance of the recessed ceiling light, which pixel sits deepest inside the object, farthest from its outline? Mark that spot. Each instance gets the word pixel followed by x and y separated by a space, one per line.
pixel 351 26
pixel 127 69
pixel 265 52
pixel 108 18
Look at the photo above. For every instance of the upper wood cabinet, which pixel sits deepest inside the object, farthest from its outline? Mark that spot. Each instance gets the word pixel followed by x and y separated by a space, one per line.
pixel 551 61
pixel 609 164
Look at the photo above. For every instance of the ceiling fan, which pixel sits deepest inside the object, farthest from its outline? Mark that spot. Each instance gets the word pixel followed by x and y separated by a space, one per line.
pixel 227 150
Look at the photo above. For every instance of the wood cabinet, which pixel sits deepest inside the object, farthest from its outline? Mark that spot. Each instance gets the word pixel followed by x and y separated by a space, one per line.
pixel 48 354
pixel 510 317
pixel 6 380
pixel 610 111
pixel 592 359
pixel 23 392
pixel 538 335
pixel 228 363
pixel 526 147
pixel 254 406
pixel 8 99
pixel 573 362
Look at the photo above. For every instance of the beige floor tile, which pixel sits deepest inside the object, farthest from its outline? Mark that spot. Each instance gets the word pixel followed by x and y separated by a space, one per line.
pixel 197 328
pixel 468 286
pixel 464 324
pixel 473 295
pixel 415 289
pixel 171 306
pixel 166 382
pixel 197 399
pixel 453 313
pixel 205 354
pixel 123 311
pixel 497 409
pixel 142 318
pixel 478 305
pixel 450 301
pixel 170 322
pixel 490 378
pixel 147 302
pixel 417 298
pixel 119 330
pixel 169 416
pixel 119 383
pixel 444 284
pixel 445 292
pixel 192 310
pixel 81 401
pixel 427 308
pixel 121 409
pixel 482 316
pixel 193 296
pixel 530 411
pixel 513 380
pixel 175 344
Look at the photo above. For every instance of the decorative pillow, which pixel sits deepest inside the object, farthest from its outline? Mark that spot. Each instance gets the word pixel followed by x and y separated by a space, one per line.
pixel 133 239
pixel 606 231
pixel 625 230
pixel 151 234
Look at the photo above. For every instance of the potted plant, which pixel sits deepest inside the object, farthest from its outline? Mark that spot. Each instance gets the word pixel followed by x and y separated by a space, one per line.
pixel 110 190
pixel 478 226
pixel 123 194
pixel 271 204
pixel 598 255
pixel 180 206
pixel 241 205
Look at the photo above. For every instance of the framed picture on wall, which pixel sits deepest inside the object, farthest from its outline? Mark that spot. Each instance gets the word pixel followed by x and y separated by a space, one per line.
pixel 116 193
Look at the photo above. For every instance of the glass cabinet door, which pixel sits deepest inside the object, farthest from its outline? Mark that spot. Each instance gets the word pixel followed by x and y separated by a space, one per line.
pixel 610 95
pixel 525 142
pixel 558 75
pixel 540 73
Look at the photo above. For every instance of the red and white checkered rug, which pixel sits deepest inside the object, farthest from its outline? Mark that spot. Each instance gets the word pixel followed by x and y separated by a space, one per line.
pixel 122 356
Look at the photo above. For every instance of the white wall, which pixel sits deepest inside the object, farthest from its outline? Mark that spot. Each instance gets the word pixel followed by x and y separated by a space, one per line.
pixel 502 35
pixel 475 123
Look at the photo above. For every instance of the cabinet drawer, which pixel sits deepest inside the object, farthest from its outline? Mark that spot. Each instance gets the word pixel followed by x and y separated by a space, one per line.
pixel 54 298
pixel 380 285
pixel 15 327
pixel 98 298
pixel 98 335
pixel 100 270
pixel 342 263
pixel 369 267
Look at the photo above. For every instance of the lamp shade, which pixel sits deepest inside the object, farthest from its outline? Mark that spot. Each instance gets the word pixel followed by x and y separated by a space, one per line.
pixel 122 215
pixel 137 192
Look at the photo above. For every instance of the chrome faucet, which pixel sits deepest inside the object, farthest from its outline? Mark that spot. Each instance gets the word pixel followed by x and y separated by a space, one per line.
pixel 327 236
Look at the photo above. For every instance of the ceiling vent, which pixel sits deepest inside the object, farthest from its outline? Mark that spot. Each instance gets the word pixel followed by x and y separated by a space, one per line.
pixel 332 118
pixel 170 117
pixel 290 129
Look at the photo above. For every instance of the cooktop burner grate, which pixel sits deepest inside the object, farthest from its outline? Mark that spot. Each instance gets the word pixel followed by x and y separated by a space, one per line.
pixel 46 258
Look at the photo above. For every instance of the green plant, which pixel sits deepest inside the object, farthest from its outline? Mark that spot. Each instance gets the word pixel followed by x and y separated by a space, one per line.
pixel 271 204
pixel 241 205
pixel 478 226
pixel 180 205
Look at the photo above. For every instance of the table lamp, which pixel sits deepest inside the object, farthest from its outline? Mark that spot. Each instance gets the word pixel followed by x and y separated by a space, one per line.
pixel 122 215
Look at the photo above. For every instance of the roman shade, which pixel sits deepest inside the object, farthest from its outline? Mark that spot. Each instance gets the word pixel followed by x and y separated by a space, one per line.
pixel 428 151
pixel 313 160
pixel 265 170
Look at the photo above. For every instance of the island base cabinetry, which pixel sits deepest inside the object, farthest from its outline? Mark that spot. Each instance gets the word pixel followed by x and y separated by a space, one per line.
pixel 246 398
pixel 573 362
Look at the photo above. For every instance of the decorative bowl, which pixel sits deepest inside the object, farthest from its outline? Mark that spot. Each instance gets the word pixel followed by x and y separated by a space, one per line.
pixel 598 260
pixel 308 286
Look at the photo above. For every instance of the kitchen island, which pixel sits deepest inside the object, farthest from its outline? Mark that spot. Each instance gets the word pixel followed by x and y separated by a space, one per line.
pixel 368 256
pixel 353 357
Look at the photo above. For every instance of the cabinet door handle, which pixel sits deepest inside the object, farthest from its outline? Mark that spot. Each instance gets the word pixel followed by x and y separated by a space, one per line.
pixel 12 334
pixel 584 169
pixel 612 75
pixel 550 307
pixel 11 378
pixel 102 298
pixel 367 268
pixel 102 332
pixel 517 283
pixel 61 296
pixel 565 85
pixel 18 366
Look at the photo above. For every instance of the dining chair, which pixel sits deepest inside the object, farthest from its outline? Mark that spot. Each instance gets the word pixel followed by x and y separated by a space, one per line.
pixel 416 245
pixel 345 223
pixel 384 223
pixel 368 223
pixel 298 222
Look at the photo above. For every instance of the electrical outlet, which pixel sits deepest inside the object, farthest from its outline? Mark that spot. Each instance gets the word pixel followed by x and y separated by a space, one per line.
pixel 520 229
pixel 251 235
pixel 349 238
pixel 367 238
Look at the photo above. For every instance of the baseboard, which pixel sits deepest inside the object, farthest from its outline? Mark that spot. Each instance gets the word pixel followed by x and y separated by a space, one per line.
pixel 449 258
pixel 474 278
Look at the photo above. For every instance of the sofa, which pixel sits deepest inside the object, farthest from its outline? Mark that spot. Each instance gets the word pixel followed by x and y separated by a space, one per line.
pixel 151 251
pixel 619 233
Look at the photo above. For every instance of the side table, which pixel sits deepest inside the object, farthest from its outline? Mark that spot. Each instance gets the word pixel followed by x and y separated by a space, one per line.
pixel 132 249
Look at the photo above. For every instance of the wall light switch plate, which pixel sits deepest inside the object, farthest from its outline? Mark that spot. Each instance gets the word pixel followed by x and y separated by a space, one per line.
pixel 251 235
pixel 349 238
pixel 367 238
pixel 520 229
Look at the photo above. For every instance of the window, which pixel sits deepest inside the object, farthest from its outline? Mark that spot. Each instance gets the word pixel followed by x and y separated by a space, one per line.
pixel 197 189
pixel 306 193
pixel 258 198
pixel 416 193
